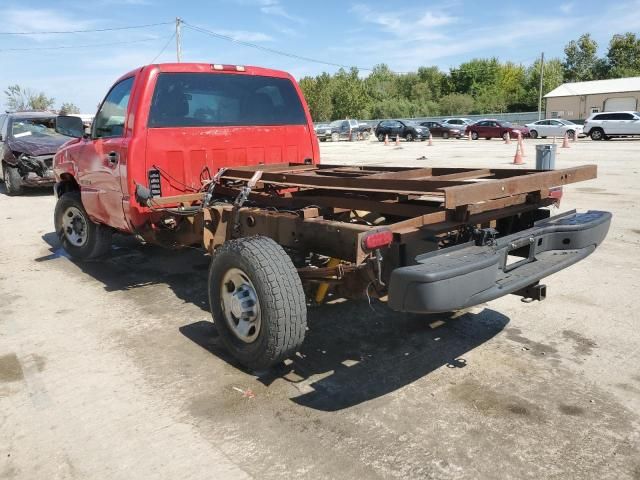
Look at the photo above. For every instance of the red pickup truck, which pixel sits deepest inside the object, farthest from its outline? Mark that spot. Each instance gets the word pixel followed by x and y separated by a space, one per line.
pixel 224 157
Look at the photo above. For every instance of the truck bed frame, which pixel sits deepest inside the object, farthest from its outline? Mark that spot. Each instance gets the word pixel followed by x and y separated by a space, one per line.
pixel 299 205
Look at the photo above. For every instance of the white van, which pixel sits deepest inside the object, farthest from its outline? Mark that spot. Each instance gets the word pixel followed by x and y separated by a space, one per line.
pixel 605 125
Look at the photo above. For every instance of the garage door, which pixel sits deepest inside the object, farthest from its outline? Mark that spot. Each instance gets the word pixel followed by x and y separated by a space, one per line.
pixel 618 104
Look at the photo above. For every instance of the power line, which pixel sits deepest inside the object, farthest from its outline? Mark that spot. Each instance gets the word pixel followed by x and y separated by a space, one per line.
pixel 64 47
pixel 163 48
pixel 89 30
pixel 271 50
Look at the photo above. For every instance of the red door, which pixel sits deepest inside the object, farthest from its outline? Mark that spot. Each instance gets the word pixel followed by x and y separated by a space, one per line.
pixel 102 159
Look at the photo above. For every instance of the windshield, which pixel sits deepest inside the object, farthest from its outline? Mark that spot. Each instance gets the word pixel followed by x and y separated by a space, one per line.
pixel 207 99
pixel 34 128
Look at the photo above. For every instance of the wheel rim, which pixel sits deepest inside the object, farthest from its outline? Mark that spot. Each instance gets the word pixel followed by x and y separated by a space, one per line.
pixel 474 135
pixel 381 137
pixel 571 134
pixel 409 137
pixel 596 134
pixel 533 134
pixel 240 305
pixel 74 226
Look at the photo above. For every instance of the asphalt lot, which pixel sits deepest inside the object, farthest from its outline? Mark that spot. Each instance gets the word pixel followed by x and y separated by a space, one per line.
pixel 113 370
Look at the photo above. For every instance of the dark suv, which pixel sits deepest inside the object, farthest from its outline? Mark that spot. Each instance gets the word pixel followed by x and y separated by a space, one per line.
pixel 401 129
pixel 28 141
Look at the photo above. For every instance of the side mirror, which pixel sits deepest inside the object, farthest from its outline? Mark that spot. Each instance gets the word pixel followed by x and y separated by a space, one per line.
pixel 70 126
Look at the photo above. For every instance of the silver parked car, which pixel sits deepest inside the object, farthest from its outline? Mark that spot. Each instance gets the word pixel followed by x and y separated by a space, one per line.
pixel 554 127
pixel 458 122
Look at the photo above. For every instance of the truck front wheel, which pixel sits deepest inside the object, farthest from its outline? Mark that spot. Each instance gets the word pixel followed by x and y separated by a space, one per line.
pixel 12 180
pixel 80 237
pixel 257 301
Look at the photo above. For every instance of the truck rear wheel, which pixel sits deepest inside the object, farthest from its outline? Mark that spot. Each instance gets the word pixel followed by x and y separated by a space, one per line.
pixel 79 236
pixel 257 301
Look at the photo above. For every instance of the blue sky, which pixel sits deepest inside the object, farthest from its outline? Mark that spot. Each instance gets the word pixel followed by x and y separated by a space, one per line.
pixel 443 33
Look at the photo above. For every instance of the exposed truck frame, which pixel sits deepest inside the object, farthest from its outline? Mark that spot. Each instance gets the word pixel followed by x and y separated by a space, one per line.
pixel 372 228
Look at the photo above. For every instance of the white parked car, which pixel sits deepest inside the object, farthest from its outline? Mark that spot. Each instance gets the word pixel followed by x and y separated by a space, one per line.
pixel 603 126
pixel 554 127
pixel 457 122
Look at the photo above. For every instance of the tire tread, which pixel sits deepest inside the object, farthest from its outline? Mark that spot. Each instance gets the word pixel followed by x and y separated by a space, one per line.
pixel 282 302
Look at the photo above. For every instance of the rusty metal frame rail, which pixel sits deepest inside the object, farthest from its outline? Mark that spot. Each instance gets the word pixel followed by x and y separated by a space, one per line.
pixel 458 186
pixel 300 203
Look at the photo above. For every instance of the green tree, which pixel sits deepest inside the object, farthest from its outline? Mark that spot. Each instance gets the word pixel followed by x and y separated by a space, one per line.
pixel 68 108
pixel 553 77
pixel 581 61
pixel 456 104
pixel 19 98
pixel 381 83
pixel 349 96
pixel 474 76
pixel 511 85
pixel 317 92
pixel 623 56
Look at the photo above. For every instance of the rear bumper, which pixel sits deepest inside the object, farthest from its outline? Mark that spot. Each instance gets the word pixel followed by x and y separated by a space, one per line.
pixel 467 275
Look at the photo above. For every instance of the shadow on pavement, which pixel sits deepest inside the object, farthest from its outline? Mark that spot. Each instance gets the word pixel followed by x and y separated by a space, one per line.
pixel 29 191
pixel 353 352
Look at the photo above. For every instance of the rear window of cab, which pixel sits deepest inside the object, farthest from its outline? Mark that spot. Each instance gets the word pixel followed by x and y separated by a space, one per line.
pixel 220 99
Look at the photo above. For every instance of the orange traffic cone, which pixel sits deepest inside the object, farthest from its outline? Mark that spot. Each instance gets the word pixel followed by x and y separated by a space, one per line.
pixel 507 139
pixel 517 158
pixel 386 139
pixel 565 141
pixel 521 145
pixel 397 140
pixel 430 144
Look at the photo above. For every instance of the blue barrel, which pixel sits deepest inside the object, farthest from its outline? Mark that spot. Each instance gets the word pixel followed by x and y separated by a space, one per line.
pixel 546 157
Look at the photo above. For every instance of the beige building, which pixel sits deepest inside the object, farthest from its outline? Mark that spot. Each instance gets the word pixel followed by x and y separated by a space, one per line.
pixel 576 101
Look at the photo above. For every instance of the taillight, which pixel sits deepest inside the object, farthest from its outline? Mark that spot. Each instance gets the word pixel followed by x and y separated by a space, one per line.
pixel 377 239
pixel 556 193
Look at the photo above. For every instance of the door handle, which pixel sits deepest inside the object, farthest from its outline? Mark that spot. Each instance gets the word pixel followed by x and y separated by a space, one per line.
pixel 113 157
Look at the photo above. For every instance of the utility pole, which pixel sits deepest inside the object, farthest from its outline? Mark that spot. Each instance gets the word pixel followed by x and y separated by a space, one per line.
pixel 178 40
pixel 541 86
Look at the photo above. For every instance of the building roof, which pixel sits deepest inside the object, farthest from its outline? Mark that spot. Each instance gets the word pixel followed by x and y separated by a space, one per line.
pixel 594 87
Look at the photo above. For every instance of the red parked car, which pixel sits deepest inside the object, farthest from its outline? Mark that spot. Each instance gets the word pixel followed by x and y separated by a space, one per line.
pixel 495 129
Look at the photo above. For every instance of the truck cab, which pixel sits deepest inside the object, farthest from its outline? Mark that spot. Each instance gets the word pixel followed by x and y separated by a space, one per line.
pixel 171 126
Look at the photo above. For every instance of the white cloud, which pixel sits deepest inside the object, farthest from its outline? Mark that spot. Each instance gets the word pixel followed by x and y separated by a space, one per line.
pixel 437 40
pixel 273 7
pixel 41 20
pixel 567 8
pixel 246 36
pixel 403 24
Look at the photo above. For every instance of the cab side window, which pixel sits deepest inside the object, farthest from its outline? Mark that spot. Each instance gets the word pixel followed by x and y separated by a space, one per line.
pixel 110 119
